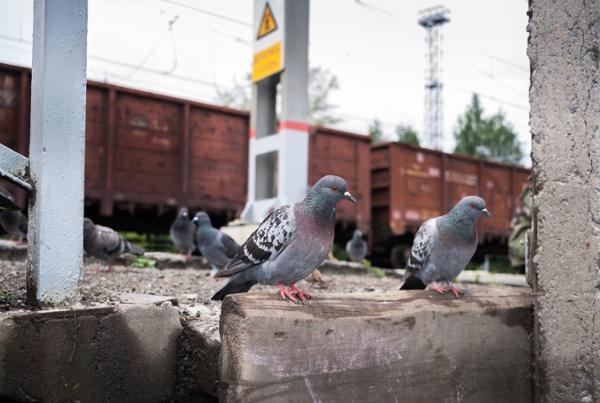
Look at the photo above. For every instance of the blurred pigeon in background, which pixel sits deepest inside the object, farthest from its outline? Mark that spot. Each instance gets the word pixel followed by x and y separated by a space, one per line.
pixel 7 201
pixel 356 247
pixel 289 244
pixel 15 224
pixel 182 233
pixel 443 246
pixel 105 244
pixel 216 246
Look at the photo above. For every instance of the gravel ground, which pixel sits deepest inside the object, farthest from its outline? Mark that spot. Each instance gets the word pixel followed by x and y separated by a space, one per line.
pixel 188 281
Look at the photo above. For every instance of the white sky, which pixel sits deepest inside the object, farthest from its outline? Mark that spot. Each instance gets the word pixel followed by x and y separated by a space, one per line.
pixel 374 47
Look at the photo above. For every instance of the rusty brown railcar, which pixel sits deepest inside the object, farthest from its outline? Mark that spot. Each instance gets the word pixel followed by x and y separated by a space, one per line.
pixel 147 154
pixel 411 184
pixel 334 152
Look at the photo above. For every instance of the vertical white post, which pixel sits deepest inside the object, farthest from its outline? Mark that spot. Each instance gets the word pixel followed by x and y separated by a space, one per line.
pixel 57 150
pixel 278 155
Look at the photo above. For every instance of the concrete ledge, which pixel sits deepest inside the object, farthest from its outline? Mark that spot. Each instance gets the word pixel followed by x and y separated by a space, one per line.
pixel 122 353
pixel 394 346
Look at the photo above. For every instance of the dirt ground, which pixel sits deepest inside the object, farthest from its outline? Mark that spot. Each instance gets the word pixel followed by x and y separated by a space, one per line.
pixel 189 281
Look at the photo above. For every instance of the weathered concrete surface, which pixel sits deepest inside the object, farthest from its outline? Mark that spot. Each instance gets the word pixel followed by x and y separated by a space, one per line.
pixel 396 346
pixel 565 113
pixel 197 363
pixel 123 353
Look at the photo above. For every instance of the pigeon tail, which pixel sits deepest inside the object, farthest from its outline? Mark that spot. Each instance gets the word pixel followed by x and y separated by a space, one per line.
pixel 413 283
pixel 233 288
pixel 134 249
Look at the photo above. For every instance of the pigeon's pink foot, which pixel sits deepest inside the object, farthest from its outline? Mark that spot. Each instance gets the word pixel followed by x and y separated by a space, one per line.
pixel 300 294
pixel 188 256
pixel 285 293
pixel 441 290
pixel 455 291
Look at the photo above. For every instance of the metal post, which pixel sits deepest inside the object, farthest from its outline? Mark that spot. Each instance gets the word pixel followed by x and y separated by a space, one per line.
pixel 278 155
pixel 57 150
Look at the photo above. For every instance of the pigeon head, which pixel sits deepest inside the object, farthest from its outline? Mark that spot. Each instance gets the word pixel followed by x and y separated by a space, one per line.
pixel 472 207
pixel 201 219
pixel 357 234
pixel 332 188
pixel 88 225
pixel 183 212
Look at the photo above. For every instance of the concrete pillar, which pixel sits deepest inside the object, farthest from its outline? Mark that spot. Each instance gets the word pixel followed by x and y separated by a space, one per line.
pixel 57 150
pixel 565 113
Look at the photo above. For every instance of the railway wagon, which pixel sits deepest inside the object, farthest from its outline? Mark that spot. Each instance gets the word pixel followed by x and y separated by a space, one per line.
pixel 148 154
pixel 411 184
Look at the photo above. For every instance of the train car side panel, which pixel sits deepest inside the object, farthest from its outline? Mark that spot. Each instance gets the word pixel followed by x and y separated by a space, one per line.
pixel 332 152
pixel 219 160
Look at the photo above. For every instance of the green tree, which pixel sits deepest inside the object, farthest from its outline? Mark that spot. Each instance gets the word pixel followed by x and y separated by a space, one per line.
pixel 490 138
pixel 407 134
pixel 237 97
pixel 320 85
pixel 376 132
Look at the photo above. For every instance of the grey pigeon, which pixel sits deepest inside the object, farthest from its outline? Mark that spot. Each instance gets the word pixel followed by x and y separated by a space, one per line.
pixel 105 244
pixel 182 232
pixel 7 201
pixel 289 244
pixel 443 246
pixel 14 223
pixel 356 247
pixel 216 246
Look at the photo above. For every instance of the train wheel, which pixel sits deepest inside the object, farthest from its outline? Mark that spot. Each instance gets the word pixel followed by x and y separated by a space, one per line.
pixel 399 256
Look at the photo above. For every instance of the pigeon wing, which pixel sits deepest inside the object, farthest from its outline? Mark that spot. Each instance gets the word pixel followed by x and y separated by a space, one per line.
pixel 271 237
pixel 109 241
pixel 231 247
pixel 422 246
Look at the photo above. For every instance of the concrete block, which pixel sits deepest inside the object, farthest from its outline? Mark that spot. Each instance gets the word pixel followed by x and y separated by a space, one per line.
pixel 121 353
pixel 396 346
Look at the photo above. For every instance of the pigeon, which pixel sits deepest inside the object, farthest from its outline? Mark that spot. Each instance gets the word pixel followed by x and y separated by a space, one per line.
pixel 357 247
pixel 15 224
pixel 106 244
pixel 182 232
pixel 289 244
pixel 7 201
pixel 216 246
pixel 443 246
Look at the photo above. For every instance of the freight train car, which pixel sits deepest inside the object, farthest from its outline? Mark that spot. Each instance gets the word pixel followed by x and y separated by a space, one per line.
pixel 147 154
pixel 411 184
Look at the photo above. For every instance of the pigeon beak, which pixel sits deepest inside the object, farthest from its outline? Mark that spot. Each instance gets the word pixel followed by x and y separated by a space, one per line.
pixel 487 213
pixel 348 196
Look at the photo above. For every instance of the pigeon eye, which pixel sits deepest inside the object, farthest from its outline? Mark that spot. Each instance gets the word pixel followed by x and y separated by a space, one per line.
pixel 474 205
pixel 334 188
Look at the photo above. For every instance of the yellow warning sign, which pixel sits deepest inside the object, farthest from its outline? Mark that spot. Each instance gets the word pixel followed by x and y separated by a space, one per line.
pixel 267 24
pixel 267 62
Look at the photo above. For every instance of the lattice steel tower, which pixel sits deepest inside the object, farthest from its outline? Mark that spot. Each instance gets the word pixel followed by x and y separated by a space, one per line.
pixel 432 20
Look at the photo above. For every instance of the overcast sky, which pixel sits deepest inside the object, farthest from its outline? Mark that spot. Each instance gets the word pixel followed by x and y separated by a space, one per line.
pixel 189 48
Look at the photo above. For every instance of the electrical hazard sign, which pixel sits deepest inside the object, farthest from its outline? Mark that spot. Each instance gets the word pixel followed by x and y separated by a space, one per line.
pixel 267 23
pixel 268 49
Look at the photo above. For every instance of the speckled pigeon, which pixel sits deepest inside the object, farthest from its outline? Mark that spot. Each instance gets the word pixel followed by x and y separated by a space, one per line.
pixel 14 223
pixel 443 246
pixel 105 244
pixel 356 247
pixel 216 246
pixel 182 232
pixel 289 244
